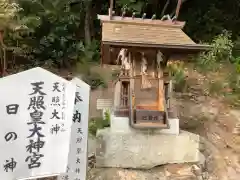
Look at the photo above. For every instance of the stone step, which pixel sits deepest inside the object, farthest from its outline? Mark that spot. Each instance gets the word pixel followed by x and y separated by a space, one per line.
pixel 150 125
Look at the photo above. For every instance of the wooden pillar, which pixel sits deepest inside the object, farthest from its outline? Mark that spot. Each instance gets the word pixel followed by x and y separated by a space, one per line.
pixel 160 95
pixel 134 65
pixel 117 94
pixel 132 93
pixel 131 64
pixel 170 88
pixel 132 82
pixel 161 98
pixel 153 65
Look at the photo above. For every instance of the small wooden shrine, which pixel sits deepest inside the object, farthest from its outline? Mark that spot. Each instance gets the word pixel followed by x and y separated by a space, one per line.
pixel 143 47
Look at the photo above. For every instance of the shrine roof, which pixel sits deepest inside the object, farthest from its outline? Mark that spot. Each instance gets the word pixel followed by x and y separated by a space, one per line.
pixel 140 32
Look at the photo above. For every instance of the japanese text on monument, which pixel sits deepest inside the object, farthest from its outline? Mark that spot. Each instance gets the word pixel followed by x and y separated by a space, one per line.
pixel 30 147
pixel 58 107
pixel 77 164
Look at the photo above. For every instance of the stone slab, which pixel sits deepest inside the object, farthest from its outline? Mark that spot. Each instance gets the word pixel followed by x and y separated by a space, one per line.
pixel 145 150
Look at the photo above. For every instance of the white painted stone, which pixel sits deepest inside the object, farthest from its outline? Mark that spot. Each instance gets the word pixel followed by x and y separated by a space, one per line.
pixel 136 149
pixel 174 127
pixel 120 124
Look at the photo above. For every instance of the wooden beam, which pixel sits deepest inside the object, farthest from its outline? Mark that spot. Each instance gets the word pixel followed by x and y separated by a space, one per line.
pixel 111 10
pixel 178 8
pixel 184 47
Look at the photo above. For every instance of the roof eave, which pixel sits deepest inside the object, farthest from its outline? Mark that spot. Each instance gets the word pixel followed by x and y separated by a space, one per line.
pixel 193 47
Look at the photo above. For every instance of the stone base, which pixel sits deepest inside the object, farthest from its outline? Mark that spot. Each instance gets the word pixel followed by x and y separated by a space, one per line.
pixel 121 124
pixel 145 150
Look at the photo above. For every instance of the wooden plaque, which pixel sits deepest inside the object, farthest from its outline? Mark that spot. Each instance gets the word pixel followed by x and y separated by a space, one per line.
pixel 149 116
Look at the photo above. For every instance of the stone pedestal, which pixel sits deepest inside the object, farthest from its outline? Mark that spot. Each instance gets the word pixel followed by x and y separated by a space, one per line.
pixel 120 124
pixel 144 150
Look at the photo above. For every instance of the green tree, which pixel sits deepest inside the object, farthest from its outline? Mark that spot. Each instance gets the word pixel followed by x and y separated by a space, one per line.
pixel 8 13
pixel 8 20
pixel 207 19
pixel 61 32
pixel 52 36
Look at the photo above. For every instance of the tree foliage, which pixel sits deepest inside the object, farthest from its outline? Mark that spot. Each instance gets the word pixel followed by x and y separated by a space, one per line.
pixel 8 12
pixel 61 33
pixel 207 19
pixel 221 52
pixel 52 36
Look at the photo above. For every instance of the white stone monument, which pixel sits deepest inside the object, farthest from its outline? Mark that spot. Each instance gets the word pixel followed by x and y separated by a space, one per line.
pixel 36 108
pixel 77 161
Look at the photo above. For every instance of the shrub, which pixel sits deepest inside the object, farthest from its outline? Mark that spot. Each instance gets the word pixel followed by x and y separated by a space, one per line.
pixel 215 87
pixel 233 80
pixel 178 76
pixel 221 51
pixel 237 64
pixel 99 123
